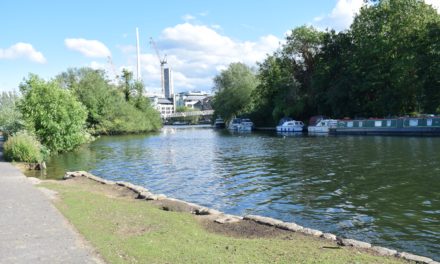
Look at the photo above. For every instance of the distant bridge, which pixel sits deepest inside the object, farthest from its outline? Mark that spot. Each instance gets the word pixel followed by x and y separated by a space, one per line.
pixel 190 113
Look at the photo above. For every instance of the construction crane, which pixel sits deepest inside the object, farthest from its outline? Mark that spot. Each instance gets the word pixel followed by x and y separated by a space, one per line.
pixel 162 61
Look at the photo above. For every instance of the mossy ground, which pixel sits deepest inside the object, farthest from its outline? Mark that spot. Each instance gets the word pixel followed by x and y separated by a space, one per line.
pixel 125 230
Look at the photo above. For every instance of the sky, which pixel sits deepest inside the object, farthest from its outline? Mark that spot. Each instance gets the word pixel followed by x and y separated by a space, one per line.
pixel 199 38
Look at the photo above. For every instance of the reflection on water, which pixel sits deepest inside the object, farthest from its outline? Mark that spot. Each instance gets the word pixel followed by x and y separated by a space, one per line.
pixel 384 190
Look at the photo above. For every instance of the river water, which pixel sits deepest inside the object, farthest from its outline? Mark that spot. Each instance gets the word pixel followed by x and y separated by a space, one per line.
pixel 382 190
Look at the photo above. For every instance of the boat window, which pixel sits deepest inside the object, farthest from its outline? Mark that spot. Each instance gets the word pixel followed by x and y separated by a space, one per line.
pixel 377 123
pixel 413 122
pixel 349 124
pixel 360 123
pixel 388 123
pixel 429 122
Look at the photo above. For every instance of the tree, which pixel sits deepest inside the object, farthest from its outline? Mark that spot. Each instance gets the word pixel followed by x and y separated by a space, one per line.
pixel 11 120
pixel 108 110
pixel 233 88
pixel 53 114
pixel 285 79
pixel 388 38
pixel 127 86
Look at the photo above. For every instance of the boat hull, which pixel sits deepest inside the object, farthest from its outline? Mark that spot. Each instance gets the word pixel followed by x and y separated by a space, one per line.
pixel 315 129
pixel 289 129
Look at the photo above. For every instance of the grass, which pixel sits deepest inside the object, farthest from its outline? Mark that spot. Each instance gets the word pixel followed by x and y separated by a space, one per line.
pixel 125 230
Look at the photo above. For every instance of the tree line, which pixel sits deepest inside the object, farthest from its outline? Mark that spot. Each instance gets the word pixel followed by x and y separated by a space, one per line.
pixel 386 64
pixel 62 113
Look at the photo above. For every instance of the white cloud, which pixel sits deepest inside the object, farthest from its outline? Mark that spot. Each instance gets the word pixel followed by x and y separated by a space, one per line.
pixel 434 3
pixel 196 53
pixel 341 16
pixel 188 17
pixel 217 27
pixel 22 50
pixel 89 48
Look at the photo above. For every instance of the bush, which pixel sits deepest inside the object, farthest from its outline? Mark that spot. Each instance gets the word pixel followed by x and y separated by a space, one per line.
pixel 24 147
pixel 53 114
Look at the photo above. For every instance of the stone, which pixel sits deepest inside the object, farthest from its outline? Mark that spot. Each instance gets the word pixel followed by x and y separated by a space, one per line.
pixel 412 257
pixel 139 189
pixel 353 243
pixel 290 226
pixel 312 232
pixel 206 211
pixel 384 251
pixel 143 195
pixel 228 219
pixel 263 220
pixel 122 183
pixel 433 262
pixel 161 196
pixel 329 236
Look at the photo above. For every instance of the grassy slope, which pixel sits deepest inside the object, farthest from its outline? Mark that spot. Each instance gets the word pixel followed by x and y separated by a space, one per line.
pixel 131 231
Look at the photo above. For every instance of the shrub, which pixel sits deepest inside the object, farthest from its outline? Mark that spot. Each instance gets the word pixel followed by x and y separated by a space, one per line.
pixel 23 146
pixel 54 114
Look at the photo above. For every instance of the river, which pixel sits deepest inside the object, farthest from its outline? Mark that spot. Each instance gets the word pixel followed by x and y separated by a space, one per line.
pixel 382 190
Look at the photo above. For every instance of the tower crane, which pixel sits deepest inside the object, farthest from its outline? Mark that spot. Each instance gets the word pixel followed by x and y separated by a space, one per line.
pixel 162 61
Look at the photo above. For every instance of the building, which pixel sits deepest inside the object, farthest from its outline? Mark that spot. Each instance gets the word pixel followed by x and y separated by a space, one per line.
pixel 168 83
pixel 164 106
pixel 190 99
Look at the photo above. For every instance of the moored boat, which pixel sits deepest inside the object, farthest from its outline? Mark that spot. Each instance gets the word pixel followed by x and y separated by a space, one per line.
pixel 418 126
pixel 291 126
pixel 323 126
pixel 241 124
pixel 219 123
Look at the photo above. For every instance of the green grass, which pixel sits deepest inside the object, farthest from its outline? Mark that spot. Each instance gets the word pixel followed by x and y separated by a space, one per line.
pixel 132 231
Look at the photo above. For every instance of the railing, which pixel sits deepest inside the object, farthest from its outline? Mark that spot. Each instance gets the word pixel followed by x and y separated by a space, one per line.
pixel 190 113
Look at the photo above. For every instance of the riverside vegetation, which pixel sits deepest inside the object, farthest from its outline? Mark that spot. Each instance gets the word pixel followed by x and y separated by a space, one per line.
pixel 385 64
pixel 59 115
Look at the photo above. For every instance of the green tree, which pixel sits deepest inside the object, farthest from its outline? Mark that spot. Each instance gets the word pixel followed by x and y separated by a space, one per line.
pixel 285 79
pixel 53 114
pixel 108 110
pixel 11 120
pixel 127 83
pixel 233 88
pixel 388 42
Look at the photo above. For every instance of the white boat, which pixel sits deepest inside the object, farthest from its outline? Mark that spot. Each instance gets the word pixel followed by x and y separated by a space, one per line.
pixel 323 126
pixel 241 124
pixel 219 123
pixel 291 126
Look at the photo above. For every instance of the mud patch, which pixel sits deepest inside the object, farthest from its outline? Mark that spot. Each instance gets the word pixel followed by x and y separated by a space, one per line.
pixel 244 229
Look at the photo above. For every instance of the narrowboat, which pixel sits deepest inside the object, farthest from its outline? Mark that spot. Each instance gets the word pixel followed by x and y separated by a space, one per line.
pixel 412 126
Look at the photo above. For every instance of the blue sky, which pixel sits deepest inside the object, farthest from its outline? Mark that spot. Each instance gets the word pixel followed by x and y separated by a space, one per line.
pixel 200 38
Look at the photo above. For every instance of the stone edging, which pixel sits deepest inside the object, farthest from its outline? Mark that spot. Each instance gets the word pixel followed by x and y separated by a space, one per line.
pixel 222 218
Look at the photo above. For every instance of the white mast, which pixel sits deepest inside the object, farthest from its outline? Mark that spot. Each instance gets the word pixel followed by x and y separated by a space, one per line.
pixel 138 49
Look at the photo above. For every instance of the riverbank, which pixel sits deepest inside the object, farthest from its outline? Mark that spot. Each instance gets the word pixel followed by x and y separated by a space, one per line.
pixel 156 229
